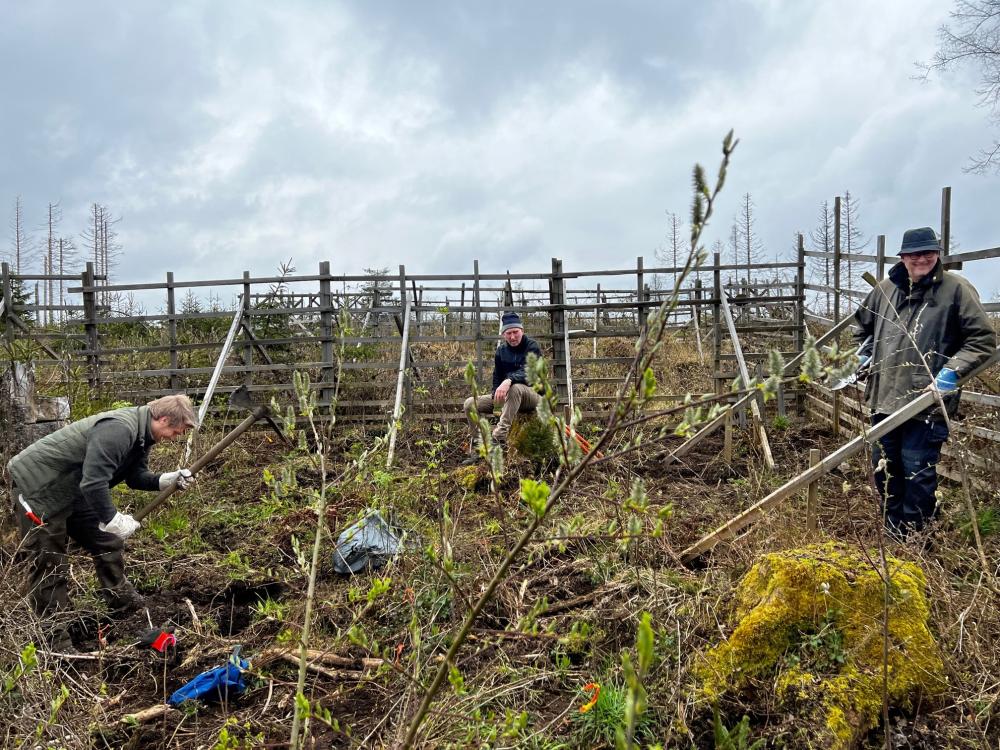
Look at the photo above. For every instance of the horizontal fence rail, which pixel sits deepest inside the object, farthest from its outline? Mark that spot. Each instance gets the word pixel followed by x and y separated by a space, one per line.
pixel 587 322
pixel 320 323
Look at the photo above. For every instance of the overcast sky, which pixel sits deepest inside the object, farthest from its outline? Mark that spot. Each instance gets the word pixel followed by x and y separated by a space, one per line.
pixel 231 136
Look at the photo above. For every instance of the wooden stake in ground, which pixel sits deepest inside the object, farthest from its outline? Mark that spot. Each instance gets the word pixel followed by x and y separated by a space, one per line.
pixel 397 409
pixel 758 418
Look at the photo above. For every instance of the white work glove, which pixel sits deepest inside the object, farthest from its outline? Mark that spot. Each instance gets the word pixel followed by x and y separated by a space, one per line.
pixel 122 526
pixel 183 478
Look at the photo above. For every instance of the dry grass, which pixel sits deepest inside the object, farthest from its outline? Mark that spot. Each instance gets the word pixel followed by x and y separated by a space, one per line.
pixel 562 619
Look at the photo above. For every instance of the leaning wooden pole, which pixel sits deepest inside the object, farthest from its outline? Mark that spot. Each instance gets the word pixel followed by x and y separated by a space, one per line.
pixel 214 380
pixel 758 417
pixel 732 527
pixel 719 421
pixel 397 409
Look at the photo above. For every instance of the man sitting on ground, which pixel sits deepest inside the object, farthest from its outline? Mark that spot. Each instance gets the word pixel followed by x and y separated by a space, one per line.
pixel 510 383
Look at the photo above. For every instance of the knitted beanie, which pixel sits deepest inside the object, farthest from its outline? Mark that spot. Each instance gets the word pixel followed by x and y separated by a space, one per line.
pixel 510 320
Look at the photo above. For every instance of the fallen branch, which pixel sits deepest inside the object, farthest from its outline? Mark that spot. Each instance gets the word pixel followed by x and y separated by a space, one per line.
pixel 323 657
pixel 484 633
pixel 334 674
pixel 576 601
pixel 195 620
pixel 147 714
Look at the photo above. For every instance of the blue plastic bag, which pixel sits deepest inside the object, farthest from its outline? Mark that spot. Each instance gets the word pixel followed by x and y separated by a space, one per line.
pixel 215 685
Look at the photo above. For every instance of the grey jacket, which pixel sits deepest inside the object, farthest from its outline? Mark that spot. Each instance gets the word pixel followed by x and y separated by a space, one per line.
pixel 917 330
pixel 78 464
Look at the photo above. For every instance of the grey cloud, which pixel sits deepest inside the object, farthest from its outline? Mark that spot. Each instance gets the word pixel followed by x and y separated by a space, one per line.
pixel 232 136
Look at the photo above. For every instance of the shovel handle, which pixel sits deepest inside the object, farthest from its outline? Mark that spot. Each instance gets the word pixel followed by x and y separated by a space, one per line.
pixel 198 465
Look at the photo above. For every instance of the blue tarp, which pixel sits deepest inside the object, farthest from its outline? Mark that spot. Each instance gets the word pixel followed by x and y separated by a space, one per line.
pixel 215 685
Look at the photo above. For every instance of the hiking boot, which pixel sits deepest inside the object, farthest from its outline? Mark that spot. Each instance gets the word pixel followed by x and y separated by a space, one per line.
pixel 60 642
pixel 124 601
pixel 500 438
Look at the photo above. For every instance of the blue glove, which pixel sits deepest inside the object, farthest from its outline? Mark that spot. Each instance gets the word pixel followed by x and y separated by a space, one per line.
pixel 863 360
pixel 946 381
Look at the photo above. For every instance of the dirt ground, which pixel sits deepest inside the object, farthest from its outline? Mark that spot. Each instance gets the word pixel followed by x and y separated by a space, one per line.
pixel 223 566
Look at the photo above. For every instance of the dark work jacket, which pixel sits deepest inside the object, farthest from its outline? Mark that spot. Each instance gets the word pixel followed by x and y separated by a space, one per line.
pixel 509 361
pixel 918 329
pixel 77 465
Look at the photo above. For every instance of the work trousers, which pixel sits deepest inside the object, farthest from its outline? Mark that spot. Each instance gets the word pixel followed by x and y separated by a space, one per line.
pixel 45 547
pixel 908 480
pixel 520 398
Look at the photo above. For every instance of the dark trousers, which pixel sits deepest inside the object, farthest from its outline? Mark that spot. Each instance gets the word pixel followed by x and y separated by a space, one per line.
pixel 45 547
pixel 908 481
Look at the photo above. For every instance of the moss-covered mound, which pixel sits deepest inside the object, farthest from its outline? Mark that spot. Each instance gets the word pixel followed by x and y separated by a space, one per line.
pixel 808 624
pixel 534 439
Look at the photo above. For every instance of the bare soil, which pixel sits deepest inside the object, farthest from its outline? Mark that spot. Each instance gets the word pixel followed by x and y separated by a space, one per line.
pixel 562 618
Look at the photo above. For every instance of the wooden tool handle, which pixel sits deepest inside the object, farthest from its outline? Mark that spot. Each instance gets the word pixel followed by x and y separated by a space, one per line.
pixel 198 465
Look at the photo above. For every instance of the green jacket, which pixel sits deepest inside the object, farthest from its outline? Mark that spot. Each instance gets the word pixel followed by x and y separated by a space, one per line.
pixel 77 465
pixel 917 330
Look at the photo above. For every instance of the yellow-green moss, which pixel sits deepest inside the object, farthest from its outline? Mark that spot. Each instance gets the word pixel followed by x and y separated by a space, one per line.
pixel 808 622
pixel 466 477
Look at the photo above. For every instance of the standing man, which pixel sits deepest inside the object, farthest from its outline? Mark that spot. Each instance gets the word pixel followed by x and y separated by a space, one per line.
pixel 510 382
pixel 928 329
pixel 62 490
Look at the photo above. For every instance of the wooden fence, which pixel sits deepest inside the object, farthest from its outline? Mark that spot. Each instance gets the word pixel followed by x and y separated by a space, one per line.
pixel 835 292
pixel 420 330
pixel 587 321
pixel 975 436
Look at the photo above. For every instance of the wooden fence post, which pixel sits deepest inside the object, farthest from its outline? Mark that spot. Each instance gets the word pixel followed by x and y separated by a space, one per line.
pixel 326 331
pixel 247 342
pixel 640 289
pixel 756 400
pixel 836 259
pixel 461 313
pixel 697 334
pixel 880 257
pixel 404 344
pixel 946 226
pixel 812 493
pixel 800 293
pixel 717 324
pixel 8 303
pixel 404 311
pixel 90 327
pixel 698 295
pixel 800 310
pixel 477 321
pixel 418 298
pixel 727 441
pixel 557 325
pixel 175 378
pixel 597 317
pixel 836 413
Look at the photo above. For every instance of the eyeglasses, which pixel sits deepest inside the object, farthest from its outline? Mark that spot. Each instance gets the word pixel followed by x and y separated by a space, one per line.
pixel 919 254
